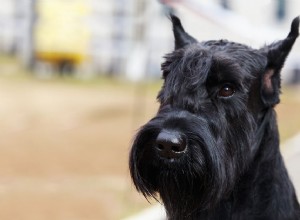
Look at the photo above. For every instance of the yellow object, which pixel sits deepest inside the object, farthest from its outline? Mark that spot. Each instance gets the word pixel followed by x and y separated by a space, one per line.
pixel 61 31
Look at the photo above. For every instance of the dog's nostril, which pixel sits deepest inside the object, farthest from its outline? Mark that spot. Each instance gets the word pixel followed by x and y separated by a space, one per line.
pixel 160 146
pixel 177 149
pixel 170 144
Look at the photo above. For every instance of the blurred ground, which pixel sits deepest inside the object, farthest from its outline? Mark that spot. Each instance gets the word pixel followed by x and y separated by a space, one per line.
pixel 64 148
pixel 64 145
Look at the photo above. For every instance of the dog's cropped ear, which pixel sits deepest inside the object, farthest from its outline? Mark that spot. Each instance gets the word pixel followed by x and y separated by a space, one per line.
pixel 276 54
pixel 181 37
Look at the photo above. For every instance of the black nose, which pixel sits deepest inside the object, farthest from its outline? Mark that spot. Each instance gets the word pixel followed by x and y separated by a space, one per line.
pixel 170 144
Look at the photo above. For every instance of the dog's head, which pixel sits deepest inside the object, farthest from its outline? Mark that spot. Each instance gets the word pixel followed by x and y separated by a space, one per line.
pixel 214 105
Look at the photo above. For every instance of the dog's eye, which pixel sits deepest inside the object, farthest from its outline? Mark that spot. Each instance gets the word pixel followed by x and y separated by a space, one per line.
pixel 227 90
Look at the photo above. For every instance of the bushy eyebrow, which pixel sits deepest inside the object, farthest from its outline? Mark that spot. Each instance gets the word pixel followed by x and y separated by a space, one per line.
pixel 224 69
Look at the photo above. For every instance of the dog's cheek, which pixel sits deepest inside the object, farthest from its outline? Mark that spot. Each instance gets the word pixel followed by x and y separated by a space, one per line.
pixel 144 172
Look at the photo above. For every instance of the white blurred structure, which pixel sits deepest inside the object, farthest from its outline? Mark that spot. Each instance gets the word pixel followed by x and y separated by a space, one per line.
pixel 130 37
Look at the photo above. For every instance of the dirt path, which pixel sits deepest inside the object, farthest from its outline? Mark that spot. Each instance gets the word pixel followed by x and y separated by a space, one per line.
pixel 64 149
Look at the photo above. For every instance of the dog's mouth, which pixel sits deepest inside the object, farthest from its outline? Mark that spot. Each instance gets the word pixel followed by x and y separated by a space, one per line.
pixel 169 164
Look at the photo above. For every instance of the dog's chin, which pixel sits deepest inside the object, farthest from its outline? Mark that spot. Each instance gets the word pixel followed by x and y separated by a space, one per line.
pixel 173 177
pixel 182 193
pixel 179 181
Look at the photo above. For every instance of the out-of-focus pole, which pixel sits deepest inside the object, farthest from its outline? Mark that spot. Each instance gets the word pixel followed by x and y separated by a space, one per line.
pixel 26 19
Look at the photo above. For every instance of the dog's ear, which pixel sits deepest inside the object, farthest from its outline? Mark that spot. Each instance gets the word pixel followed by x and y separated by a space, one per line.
pixel 276 54
pixel 181 37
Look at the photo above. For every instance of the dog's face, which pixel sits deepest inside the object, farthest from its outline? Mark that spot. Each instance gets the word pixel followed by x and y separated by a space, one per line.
pixel 213 101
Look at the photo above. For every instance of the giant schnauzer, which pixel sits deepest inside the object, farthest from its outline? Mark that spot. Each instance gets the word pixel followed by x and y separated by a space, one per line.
pixel 212 150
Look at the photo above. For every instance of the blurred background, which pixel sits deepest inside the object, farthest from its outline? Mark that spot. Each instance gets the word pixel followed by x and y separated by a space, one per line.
pixel 79 77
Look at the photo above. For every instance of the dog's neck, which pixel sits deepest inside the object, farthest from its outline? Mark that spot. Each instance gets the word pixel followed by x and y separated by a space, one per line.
pixel 261 180
pixel 263 128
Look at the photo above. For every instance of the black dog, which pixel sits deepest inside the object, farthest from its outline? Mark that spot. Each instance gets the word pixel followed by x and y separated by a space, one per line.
pixel 212 150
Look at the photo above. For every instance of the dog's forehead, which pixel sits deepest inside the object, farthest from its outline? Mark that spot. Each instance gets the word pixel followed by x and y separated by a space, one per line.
pixel 224 45
pixel 238 52
pixel 232 56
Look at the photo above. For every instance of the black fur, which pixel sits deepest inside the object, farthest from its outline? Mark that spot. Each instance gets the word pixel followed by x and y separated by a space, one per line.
pixel 232 167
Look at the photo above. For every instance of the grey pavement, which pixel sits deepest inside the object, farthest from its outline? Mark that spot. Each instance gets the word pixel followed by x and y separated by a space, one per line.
pixel 291 155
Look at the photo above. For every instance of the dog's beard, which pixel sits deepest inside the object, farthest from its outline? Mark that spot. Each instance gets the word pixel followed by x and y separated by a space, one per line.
pixel 182 189
pixel 198 180
pixel 191 183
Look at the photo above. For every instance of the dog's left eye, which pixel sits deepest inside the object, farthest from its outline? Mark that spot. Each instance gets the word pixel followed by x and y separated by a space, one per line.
pixel 227 90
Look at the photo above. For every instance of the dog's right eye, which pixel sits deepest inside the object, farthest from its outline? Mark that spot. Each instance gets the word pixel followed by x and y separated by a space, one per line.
pixel 226 90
